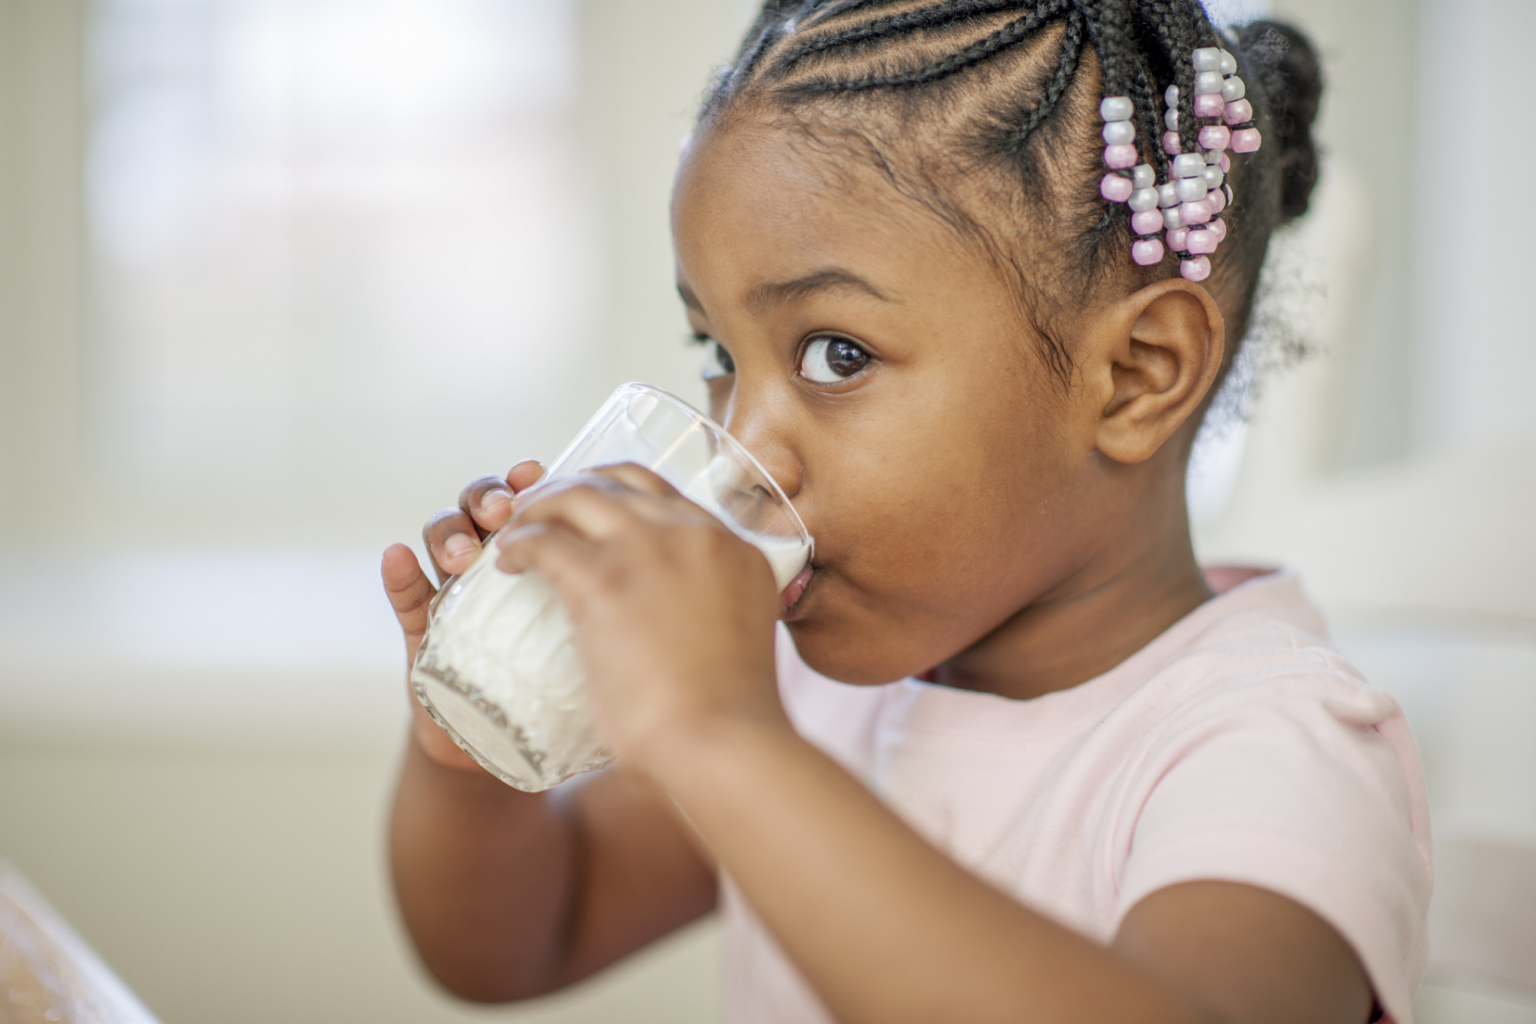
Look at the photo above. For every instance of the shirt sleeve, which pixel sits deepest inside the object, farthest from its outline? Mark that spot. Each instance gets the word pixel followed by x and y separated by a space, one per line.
pixel 1308 786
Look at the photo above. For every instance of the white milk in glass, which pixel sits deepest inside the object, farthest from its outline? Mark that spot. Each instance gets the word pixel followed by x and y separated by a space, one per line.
pixel 498 669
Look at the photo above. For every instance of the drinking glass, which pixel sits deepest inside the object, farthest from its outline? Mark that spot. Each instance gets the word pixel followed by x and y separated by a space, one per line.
pixel 497 668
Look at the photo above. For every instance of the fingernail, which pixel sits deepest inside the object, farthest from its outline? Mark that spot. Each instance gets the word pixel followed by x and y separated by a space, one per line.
pixel 493 498
pixel 458 545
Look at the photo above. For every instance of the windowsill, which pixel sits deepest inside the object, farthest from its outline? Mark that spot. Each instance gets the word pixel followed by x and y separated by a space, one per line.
pixel 208 645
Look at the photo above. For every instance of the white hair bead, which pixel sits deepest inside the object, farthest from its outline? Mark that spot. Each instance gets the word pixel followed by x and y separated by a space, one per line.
pixel 1188 165
pixel 1118 133
pixel 1233 89
pixel 1116 108
pixel 1228 64
pixel 1207 58
pixel 1172 218
pixel 1208 82
pixel 1171 95
pixel 1213 156
pixel 1191 190
pixel 1167 194
pixel 1171 120
pixel 1143 199
pixel 1143 176
pixel 1213 176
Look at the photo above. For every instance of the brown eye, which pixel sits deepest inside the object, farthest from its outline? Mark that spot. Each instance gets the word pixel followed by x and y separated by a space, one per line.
pixel 830 360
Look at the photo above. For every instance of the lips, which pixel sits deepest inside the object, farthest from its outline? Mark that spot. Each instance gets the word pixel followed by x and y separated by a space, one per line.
pixel 796 589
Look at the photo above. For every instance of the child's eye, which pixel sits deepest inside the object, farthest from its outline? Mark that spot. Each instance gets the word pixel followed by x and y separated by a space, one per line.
pixel 828 360
pixel 717 361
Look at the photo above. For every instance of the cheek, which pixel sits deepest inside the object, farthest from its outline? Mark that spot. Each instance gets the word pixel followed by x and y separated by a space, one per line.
pixel 934 516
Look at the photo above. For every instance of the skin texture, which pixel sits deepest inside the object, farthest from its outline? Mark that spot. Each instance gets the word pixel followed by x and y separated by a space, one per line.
pixel 972 517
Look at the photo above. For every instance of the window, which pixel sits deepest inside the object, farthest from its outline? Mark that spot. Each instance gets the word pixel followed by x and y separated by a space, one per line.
pixel 333 241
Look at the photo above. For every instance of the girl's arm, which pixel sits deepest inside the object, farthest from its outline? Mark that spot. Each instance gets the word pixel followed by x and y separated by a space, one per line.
pixel 674 619
pixel 887 928
pixel 509 894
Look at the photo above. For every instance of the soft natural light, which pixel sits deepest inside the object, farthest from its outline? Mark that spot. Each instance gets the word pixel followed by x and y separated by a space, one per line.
pixel 334 237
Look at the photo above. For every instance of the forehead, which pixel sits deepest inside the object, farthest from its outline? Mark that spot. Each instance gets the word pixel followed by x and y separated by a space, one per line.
pixel 762 202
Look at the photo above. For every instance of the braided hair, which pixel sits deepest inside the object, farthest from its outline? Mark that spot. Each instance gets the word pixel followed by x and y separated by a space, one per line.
pixel 975 108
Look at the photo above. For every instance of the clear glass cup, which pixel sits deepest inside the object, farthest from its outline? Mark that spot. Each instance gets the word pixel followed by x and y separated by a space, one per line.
pixel 497 668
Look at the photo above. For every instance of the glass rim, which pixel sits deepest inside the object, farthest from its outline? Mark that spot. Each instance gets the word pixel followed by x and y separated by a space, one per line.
pixel 730 441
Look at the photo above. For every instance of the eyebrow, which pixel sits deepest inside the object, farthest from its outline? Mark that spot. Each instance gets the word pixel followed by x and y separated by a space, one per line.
pixel 763 296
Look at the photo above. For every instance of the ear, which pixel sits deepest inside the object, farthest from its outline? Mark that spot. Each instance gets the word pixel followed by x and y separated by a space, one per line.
pixel 1153 358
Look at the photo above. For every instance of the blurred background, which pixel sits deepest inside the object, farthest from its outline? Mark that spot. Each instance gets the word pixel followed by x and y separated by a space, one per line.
pixel 278 276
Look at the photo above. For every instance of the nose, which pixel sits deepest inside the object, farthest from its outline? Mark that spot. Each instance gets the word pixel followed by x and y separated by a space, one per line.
pixel 764 424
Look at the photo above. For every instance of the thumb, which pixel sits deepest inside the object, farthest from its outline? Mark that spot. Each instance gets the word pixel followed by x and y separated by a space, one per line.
pixel 410 594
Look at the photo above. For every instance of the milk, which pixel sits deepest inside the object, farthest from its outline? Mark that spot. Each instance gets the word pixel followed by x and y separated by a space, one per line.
pixel 499 672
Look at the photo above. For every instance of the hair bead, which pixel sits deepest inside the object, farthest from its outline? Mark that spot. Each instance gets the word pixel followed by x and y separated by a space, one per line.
pixel 1118 158
pixel 1201 242
pixel 1227 62
pixel 1147 252
pixel 1116 108
pixel 1233 89
pixel 1143 199
pixel 1246 140
pixel 1115 188
pixel 1143 176
pixel 1238 112
pixel 1209 104
pixel 1197 269
pixel 1178 239
pixel 1212 176
pixel 1172 143
pixel 1147 222
pixel 1207 58
pixel 1215 136
pixel 1172 218
pixel 1197 212
pixel 1119 133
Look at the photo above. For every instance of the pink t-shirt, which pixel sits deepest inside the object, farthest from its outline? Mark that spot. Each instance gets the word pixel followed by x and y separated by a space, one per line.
pixel 1236 746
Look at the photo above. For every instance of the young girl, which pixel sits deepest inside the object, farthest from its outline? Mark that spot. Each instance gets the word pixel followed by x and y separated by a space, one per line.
pixel 969 273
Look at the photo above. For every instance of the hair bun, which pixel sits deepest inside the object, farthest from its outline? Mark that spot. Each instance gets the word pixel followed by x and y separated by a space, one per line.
pixel 1283 60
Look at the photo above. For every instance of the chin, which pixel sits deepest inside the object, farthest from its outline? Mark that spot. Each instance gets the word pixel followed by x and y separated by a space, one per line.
pixel 848 655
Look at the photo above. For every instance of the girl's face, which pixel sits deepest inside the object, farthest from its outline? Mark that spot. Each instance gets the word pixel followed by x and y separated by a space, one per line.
pixel 879 368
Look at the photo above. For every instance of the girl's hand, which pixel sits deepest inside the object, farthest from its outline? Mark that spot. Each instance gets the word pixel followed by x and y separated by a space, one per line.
pixel 453 537
pixel 674 613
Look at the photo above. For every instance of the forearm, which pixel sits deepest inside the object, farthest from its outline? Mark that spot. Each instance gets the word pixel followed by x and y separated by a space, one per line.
pixel 884 926
pixel 485 878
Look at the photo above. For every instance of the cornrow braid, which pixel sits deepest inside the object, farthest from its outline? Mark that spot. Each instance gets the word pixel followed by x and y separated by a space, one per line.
pixel 1009 35
pixel 962 103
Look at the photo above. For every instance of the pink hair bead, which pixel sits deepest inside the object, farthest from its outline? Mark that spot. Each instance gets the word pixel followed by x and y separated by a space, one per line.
pixel 1225 163
pixel 1209 104
pixel 1171 144
pixel 1217 199
pixel 1237 112
pixel 1218 227
pixel 1197 269
pixel 1147 222
pixel 1120 157
pixel 1246 140
pixel 1202 242
pixel 1115 188
pixel 1147 251
pixel 1197 212
pixel 1215 136
pixel 1178 239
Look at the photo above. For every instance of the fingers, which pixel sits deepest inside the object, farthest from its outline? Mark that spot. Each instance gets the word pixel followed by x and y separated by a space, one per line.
pixel 452 542
pixel 638 478
pixel 410 593
pixel 561 556
pixel 488 503
pixel 524 475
